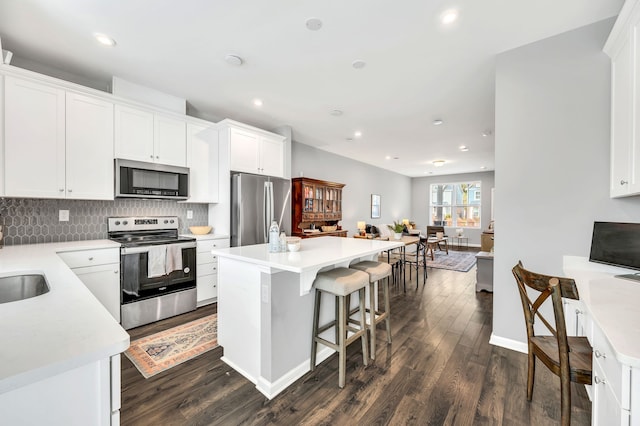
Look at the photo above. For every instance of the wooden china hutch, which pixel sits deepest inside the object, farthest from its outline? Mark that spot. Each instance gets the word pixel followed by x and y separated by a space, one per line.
pixel 316 204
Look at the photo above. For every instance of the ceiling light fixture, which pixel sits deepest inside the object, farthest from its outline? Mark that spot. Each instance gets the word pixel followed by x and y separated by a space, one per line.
pixel 464 148
pixel 257 102
pixel 483 167
pixel 388 157
pixel 437 122
pixel 336 113
pixel 357 134
pixel 104 40
pixel 439 163
pixel 234 60
pixel 449 16
pixel 359 64
pixel 313 24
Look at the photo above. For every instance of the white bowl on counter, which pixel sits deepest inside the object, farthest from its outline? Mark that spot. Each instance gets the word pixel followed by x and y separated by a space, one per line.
pixel 294 243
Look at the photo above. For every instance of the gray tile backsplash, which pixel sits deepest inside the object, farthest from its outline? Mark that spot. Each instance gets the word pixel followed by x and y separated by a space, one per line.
pixel 31 221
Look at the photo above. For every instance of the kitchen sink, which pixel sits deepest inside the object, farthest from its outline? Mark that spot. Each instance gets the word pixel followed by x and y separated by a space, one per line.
pixel 20 287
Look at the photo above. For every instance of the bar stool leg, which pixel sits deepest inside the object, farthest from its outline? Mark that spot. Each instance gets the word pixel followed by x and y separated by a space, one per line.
pixel 363 325
pixel 316 317
pixel 372 318
pixel 387 307
pixel 342 349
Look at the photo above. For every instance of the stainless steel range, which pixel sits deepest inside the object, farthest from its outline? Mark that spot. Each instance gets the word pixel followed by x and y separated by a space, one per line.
pixel 157 269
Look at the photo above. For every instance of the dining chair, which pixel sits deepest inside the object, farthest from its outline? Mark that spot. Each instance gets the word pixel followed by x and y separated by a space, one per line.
pixel 567 357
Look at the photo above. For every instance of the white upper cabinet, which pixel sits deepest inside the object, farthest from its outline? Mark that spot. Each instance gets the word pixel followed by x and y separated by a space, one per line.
pixel 89 148
pixel 202 160
pixel 254 150
pixel 622 46
pixel 34 139
pixel 58 144
pixel 151 137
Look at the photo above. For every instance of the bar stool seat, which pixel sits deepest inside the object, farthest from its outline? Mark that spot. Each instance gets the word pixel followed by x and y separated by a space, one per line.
pixel 341 283
pixel 377 272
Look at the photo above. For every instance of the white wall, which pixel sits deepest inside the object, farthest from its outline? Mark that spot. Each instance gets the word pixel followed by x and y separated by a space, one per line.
pixel 552 161
pixel 421 186
pixel 361 181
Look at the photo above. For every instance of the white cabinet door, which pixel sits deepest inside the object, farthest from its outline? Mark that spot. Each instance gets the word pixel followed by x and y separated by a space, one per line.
pixel 202 160
pixel 89 148
pixel 34 139
pixel 272 156
pixel 170 141
pixel 134 134
pixel 621 132
pixel 244 151
pixel 104 282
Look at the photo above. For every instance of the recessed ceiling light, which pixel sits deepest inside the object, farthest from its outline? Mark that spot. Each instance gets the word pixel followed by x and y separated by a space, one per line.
pixel 449 16
pixel 439 163
pixel 483 167
pixel 313 24
pixel 388 157
pixel 486 133
pixel 396 158
pixel 104 40
pixel 349 139
pixel 437 122
pixel 359 64
pixel 336 113
pixel 464 148
pixel 257 102
pixel 357 134
pixel 233 60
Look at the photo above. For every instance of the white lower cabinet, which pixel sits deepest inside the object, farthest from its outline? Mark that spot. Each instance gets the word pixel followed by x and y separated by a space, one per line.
pixel 99 270
pixel 84 395
pixel 207 275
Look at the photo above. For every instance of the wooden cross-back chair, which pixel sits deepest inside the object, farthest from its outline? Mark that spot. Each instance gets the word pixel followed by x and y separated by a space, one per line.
pixel 567 357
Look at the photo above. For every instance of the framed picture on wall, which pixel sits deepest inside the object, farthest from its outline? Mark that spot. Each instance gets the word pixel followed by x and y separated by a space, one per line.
pixel 375 206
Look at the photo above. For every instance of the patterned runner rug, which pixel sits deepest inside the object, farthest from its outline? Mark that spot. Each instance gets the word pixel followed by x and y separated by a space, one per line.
pixel 460 261
pixel 158 352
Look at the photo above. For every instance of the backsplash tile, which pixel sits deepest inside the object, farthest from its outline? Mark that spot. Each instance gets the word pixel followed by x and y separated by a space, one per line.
pixel 31 221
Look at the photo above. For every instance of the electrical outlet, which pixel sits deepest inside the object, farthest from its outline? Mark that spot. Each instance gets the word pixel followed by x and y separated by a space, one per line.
pixel 63 215
pixel 189 214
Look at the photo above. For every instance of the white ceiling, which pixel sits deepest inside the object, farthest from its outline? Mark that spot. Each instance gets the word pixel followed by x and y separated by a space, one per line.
pixel 416 69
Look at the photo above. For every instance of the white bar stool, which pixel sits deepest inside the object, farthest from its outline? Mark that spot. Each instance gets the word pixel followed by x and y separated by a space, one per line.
pixel 377 272
pixel 340 282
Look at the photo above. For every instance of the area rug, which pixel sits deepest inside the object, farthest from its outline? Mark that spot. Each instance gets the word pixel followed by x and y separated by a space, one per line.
pixel 454 261
pixel 159 352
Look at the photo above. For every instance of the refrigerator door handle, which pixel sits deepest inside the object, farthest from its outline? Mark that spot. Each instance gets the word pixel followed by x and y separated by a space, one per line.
pixel 265 213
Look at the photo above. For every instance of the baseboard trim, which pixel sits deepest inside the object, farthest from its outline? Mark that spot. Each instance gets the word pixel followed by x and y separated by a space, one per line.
pixel 271 389
pixel 503 342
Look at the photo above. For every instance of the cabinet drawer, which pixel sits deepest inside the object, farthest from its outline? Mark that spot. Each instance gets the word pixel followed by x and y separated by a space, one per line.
pixel 206 257
pixel 615 374
pixel 606 407
pixel 83 258
pixel 208 269
pixel 208 245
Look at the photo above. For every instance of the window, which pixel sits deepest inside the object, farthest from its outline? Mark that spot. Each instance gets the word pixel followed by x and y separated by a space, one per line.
pixel 455 204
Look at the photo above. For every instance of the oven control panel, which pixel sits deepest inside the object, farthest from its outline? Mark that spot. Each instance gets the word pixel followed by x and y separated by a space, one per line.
pixel 115 224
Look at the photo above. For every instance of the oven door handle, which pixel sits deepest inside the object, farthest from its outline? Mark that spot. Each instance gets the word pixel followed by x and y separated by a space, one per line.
pixel 145 249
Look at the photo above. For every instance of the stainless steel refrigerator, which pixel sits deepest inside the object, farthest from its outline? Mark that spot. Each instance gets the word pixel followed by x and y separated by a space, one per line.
pixel 255 202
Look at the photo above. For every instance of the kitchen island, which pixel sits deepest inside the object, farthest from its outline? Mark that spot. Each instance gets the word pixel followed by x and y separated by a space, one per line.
pixel 265 305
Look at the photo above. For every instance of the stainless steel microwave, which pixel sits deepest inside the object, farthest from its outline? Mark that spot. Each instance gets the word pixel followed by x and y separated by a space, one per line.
pixel 136 179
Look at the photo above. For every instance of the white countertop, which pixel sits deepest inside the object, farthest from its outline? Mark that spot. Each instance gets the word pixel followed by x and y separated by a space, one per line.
pixel 314 254
pixel 612 304
pixel 59 330
pixel 206 236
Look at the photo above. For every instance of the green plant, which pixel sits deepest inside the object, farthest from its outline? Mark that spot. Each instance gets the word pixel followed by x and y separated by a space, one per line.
pixel 398 227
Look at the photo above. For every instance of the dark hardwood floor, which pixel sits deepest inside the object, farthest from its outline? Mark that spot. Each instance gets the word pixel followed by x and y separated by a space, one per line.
pixel 440 369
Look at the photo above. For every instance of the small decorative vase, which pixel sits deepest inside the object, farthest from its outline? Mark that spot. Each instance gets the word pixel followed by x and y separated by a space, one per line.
pixel 397 235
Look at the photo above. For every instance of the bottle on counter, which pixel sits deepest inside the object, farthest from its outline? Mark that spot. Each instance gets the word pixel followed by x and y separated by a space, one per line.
pixel 283 242
pixel 274 240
